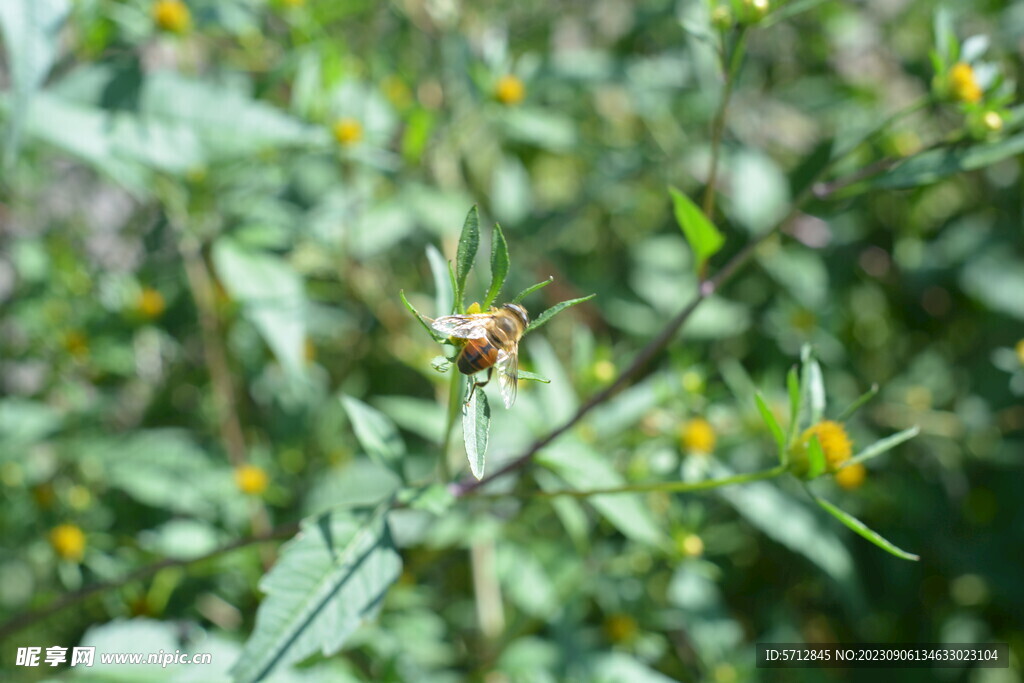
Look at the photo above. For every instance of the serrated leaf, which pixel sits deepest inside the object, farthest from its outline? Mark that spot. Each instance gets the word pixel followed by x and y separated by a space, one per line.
pixel 469 243
pixel 499 265
pixel 31 33
pixel 555 310
pixel 883 445
pixel 476 423
pixel 862 530
pixel 531 289
pixel 704 238
pixel 815 458
pixel 773 426
pixel 375 432
pixel 523 374
pixel 329 579
pixel 436 336
pixel 444 297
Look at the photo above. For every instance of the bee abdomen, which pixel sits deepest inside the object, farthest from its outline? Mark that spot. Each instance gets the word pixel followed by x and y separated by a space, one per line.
pixel 477 355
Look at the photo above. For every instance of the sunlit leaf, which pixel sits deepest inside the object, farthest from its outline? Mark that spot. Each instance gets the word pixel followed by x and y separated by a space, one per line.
pixel 703 237
pixel 793 389
pixel 815 458
pixel 531 289
pixel 469 243
pixel 524 375
pixel 928 167
pixel 861 529
pixel 499 265
pixel 858 403
pixel 443 294
pixel 812 389
pixel 437 336
pixel 555 310
pixel 883 445
pixel 476 424
pixel 328 580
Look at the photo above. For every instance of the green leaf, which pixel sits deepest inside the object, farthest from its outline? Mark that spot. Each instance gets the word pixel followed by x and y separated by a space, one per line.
pixel 793 387
pixel 499 265
pixel 860 528
pixel 328 580
pixel 815 458
pixel 441 364
pixel 812 390
pixel 437 336
pixel 933 165
pixel 555 310
pixel 523 374
pixel 704 238
pixel 375 432
pixel 533 288
pixel 476 422
pixel 883 445
pixel 444 297
pixel 272 296
pixel 858 404
pixel 469 242
pixel 31 33
pixel 773 426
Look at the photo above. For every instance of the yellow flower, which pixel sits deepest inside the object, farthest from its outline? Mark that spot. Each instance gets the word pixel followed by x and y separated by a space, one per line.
pixel 851 477
pixel 172 16
pixel 68 541
pixel 697 436
pixel 835 444
pixel 509 90
pixel 347 131
pixel 474 308
pixel 1020 351
pixel 963 86
pixel 150 303
pixel 620 628
pixel 251 480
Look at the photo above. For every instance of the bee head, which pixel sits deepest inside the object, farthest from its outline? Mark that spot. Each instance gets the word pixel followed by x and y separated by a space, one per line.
pixel 520 313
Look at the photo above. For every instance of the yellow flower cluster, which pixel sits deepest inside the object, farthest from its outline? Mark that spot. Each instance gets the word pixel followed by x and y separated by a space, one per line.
pixel 509 90
pixel 172 16
pixel 963 86
pixel 347 132
pixel 697 436
pixel 68 541
pixel 251 480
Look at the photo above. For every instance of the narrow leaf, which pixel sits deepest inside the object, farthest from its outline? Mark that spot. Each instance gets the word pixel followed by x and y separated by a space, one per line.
pixel 469 243
pixel 530 290
pixel 376 433
pixel 883 445
pixel 523 374
pixel 443 295
pixel 328 580
pixel 773 426
pixel 861 529
pixel 438 337
pixel 812 390
pixel 933 165
pixel 793 387
pixel 456 291
pixel 858 404
pixel 555 310
pixel 703 236
pixel 815 457
pixel 499 265
pixel 476 422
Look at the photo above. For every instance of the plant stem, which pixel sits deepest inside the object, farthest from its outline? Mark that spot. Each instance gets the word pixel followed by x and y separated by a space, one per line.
pixel 718 123
pixel 454 404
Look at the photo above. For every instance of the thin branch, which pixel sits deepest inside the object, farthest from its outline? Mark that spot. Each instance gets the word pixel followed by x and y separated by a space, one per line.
pixel 718 124
pixel 28 618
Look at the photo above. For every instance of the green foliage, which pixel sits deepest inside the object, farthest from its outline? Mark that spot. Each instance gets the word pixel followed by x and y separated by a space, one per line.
pixel 701 234
pixel 476 423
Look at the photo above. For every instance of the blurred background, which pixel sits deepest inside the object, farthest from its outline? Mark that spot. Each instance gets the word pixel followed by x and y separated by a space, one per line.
pixel 207 211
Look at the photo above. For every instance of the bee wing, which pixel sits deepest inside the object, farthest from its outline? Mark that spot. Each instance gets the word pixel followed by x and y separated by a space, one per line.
pixel 508 374
pixel 462 326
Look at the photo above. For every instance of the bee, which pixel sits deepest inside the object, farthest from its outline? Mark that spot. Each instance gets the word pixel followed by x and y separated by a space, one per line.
pixel 491 341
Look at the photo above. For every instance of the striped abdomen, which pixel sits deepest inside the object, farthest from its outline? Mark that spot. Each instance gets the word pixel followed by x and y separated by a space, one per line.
pixel 477 355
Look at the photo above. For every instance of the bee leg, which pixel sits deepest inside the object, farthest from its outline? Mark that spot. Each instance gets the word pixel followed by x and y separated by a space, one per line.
pixel 472 388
